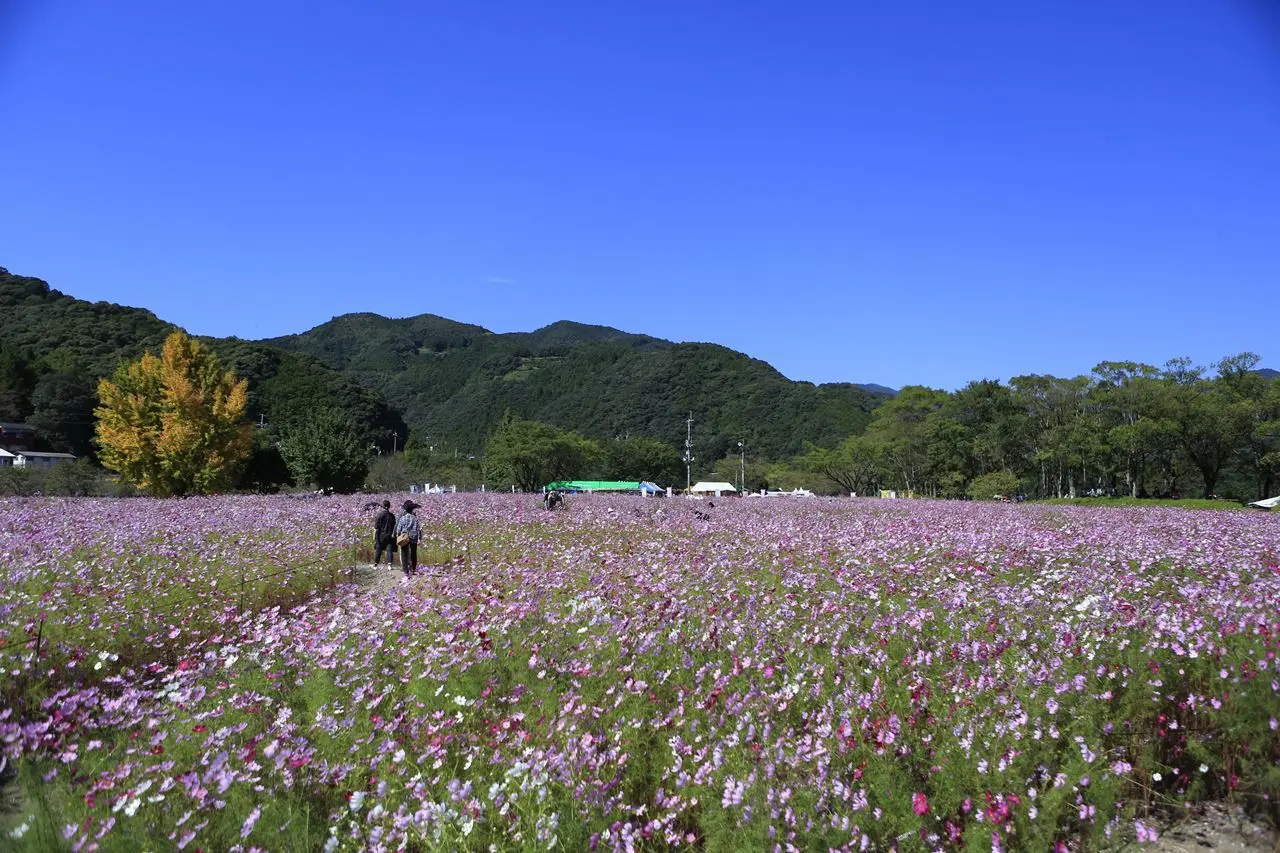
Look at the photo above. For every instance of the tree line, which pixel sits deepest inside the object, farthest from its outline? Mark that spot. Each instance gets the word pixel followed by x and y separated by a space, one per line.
pixel 1127 428
pixel 174 423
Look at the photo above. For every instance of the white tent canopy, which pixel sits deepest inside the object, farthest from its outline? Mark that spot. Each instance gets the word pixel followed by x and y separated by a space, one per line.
pixel 1269 503
pixel 707 487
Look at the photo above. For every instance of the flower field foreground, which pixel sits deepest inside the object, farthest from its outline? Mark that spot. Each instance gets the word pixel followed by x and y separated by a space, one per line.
pixel 627 675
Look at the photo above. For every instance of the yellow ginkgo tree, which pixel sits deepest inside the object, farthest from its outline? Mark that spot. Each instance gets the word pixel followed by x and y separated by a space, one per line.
pixel 174 424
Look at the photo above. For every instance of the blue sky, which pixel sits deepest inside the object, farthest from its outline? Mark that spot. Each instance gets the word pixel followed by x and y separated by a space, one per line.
pixel 909 192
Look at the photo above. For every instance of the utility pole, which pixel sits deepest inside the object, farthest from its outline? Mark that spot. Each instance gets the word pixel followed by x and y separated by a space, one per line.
pixel 394 435
pixel 742 452
pixel 262 421
pixel 688 453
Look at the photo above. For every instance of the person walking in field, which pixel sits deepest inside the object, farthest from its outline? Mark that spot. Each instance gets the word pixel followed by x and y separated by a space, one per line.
pixel 384 535
pixel 408 532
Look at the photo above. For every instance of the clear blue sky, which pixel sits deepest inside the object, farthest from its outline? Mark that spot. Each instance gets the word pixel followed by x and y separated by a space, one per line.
pixel 907 192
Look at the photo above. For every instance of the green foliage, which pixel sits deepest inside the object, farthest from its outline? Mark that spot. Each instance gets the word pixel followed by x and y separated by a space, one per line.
pixel 392 472
pixel 454 382
pixel 529 455
pixel 853 467
pixel 324 451
pixel 284 389
pixel 266 471
pixel 43 331
pixel 62 412
pixel 641 459
pixel 17 381
pixel 70 333
pixel 787 476
pixel 72 479
pixel 997 484
pixel 1128 429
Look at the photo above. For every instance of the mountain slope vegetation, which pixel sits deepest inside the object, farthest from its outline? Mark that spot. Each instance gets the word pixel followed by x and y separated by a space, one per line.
pixel 454 382
pixel 52 340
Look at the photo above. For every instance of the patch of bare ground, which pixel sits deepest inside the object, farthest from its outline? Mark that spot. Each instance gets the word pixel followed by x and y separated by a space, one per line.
pixel 1215 826
pixel 384 579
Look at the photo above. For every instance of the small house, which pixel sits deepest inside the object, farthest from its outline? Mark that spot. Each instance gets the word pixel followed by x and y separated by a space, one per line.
pixel 37 459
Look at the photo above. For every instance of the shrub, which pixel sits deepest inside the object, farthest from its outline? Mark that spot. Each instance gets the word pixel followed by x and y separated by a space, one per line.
pixel 993 486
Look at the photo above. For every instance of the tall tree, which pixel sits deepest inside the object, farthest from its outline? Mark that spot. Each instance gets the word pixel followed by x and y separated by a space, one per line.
pixel 1212 420
pixel 642 459
pixel 1128 394
pixel 324 451
pixel 173 424
pixel 902 428
pixel 1068 435
pixel 854 466
pixel 529 455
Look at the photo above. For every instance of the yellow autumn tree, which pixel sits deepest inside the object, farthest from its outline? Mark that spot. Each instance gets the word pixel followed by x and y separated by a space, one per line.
pixel 173 425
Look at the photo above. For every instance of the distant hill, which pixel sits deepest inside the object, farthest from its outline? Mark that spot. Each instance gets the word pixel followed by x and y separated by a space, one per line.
pixel 1267 372
pixel 58 334
pixel 445 382
pixel 453 381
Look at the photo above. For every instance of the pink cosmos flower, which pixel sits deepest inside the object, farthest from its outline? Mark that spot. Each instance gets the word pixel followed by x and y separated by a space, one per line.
pixel 920 803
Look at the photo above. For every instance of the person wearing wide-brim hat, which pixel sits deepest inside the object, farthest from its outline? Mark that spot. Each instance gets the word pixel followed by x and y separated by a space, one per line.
pixel 408 532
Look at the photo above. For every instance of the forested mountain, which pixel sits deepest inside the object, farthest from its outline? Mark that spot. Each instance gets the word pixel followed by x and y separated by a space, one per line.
pixel 54 348
pixel 454 382
pixel 1128 427
pixel 451 382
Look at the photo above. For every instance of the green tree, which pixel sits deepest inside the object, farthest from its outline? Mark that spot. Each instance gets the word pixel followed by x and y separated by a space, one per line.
pixel 324 451
pixel 641 459
pixel 392 472
pixel 901 428
pixel 1211 418
pixel 997 484
pixel 529 455
pixel 1258 401
pixel 854 466
pixel 1066 436
pixel 173 424
pixel 265 471
pixel 1128 394
pixel 62 407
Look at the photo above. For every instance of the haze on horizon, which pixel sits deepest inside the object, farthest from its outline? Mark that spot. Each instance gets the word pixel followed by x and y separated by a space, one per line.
pixel 916 195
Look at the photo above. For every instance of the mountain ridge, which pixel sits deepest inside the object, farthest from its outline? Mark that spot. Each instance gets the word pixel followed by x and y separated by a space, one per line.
pixel 454 380
pixel 448 382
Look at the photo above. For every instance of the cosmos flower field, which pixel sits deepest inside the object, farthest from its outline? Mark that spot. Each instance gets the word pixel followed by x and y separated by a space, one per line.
pixel 628 675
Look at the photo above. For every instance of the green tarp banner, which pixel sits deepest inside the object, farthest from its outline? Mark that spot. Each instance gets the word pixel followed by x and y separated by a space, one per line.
pixel 595 486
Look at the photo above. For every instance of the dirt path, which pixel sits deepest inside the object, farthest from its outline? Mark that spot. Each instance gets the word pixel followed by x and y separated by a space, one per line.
pixel 383 579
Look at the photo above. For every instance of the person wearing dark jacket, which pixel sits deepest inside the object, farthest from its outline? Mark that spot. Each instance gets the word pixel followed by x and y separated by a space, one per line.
pixel 408 527
pixel 384 535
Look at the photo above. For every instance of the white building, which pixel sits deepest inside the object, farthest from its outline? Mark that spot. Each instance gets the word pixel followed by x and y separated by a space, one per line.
pixel 7 459
pixel 36 459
